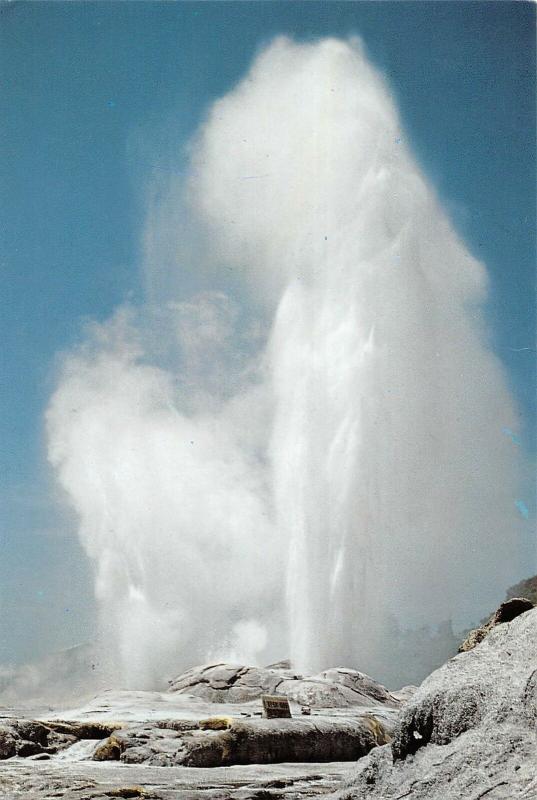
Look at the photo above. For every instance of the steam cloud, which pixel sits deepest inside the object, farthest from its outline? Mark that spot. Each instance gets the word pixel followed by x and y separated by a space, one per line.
pixel 294 491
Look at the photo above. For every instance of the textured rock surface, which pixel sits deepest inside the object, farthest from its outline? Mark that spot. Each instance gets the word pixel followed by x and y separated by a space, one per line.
pixel 470 729
pixel 24 738
pixel 117 744
pixel 506 613
pixel 258 741
pixel 233 683
pixel 90 780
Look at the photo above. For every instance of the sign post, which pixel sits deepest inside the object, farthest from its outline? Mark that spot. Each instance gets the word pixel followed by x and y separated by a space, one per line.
pixel 275 706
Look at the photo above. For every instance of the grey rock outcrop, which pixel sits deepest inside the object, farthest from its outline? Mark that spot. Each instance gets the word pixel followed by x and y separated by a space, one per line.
pixel 256 741
pixel 229 683
pixel 333 688
pixel 29 738
pixel 470 729
pixel 24 737
pixel 348 713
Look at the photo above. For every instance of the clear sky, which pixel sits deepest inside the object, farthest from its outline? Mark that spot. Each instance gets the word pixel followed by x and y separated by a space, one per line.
pixel 95 96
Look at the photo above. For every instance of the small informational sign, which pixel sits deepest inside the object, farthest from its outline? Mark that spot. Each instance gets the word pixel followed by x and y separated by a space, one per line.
pixel 275 706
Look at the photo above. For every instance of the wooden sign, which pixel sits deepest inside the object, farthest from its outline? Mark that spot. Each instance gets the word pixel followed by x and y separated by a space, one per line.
pixel 275 706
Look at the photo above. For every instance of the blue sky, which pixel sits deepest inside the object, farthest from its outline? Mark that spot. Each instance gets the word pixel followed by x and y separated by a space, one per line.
pixel 94 96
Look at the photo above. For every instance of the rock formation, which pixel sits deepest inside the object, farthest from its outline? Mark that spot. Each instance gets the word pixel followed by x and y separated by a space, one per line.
pixel 253 741
pixel 339 715
pixel 470 729
pixel 333 688
pixel 469 732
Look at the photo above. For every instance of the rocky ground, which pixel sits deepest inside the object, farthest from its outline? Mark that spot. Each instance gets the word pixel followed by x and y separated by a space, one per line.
pixel 90 780
pixel 469 731
pixel 204 738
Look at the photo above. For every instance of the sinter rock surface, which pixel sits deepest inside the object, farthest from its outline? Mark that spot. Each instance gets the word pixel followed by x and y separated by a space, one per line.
pixel 235 683
pixel 470 731
pixel 144 744
pixel 338 715
pixel 91 780
pixel 256 741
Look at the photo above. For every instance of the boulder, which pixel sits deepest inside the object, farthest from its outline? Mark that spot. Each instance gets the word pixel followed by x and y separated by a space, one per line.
pixel 23 737
pixel 109 750
pixel 468 731
pixel 29 738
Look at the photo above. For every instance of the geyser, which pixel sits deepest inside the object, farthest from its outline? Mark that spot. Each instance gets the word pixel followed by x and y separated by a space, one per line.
pixel 352 467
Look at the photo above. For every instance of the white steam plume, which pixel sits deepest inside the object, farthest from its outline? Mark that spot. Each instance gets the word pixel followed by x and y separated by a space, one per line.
pixel 377 457
pixel 172 505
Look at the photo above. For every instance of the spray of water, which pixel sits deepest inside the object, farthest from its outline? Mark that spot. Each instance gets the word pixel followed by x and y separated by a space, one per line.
pixel 347 470
pixel 171 503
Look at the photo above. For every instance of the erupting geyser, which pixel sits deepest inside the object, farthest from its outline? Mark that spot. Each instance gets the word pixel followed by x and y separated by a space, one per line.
pixel 352 468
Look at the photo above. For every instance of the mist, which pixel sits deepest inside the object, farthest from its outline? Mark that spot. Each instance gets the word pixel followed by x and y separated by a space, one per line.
pixel 299 465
